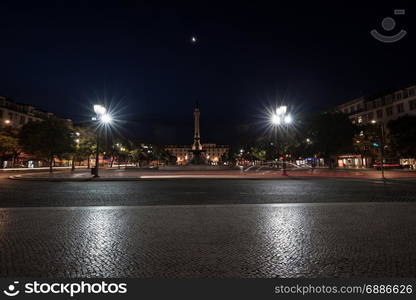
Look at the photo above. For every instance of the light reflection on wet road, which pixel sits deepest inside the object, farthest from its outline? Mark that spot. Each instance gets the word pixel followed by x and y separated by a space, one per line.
pixel 218 233
pixel 272 240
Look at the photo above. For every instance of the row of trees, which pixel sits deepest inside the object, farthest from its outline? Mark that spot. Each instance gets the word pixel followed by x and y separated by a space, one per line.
pixel 327 135
pixel 322 135
pixel 56 138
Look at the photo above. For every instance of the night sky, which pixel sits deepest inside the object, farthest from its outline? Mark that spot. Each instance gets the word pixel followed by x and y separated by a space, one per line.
pixel 140 59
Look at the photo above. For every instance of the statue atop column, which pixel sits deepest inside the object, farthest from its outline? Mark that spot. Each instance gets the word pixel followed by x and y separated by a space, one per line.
pixel 197 136
pixel 197 153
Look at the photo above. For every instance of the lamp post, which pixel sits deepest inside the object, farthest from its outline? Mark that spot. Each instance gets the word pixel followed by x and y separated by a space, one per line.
pixel 102 118
pixel 381 148
pixel 77 134
pixel 281 118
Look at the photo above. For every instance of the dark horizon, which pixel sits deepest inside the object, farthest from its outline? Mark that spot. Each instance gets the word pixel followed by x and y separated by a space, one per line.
pixel 63 58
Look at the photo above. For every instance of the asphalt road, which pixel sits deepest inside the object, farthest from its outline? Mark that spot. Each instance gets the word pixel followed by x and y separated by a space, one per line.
pixel 205 228
pixel 179 192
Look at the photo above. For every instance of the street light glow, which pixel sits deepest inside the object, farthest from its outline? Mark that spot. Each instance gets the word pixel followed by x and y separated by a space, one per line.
pixel 99 109
pixel 106 118
pixel 275 119
pixel 281 110
pixel 279 118
pixel 288 119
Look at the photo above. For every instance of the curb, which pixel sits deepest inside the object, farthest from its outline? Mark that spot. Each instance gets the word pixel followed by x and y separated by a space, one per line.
pixel 20 177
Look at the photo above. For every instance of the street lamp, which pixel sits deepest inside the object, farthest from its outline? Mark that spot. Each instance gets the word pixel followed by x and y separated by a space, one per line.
pixel 381 148
pixel 77 141
pixel 279 118
pixel 99 109
pixel 106 119
pixel 103 118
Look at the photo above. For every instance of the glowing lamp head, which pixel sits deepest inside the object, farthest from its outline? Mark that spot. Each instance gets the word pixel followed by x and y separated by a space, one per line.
pixel 7 121
pixel 99 109
pixel 275 120
pixel 106 118
pixel 288 119
pixel 281 110
pixel 373 121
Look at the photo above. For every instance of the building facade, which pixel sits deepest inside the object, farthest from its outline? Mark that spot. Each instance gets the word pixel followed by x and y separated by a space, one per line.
pixel 16 115
pixel 379 109
pixel 183 153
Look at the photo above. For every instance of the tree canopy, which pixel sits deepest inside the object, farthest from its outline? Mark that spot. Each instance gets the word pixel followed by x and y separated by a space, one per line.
pixel 47 139
pixel 331 134
pixel 402 132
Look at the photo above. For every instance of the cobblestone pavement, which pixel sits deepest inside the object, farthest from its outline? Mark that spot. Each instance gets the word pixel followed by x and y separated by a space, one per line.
pixel 273 240
pixel 236 228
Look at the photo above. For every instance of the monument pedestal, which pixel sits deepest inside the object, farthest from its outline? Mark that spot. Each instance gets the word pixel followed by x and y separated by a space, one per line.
pixel 198 157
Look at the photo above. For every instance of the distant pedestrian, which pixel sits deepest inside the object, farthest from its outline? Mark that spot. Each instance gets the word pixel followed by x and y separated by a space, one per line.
pixel 313 165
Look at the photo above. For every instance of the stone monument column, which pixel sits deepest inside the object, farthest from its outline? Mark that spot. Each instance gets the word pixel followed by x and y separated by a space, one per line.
pixel 197 136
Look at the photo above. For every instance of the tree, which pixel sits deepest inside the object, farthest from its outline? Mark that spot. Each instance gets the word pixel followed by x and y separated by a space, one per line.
pixel 331 134
pixel 160 155
pixel 85 144
pixel 9 146
pixel 402 133
pixel 49 139
pixel 366 139
pixel 138 153
pixel 230 156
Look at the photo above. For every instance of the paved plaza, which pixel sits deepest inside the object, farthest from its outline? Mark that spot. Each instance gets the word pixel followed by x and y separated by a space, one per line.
pixel 208 228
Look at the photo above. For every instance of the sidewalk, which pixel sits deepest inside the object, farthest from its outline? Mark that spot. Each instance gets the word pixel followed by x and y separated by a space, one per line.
pixel 143 174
